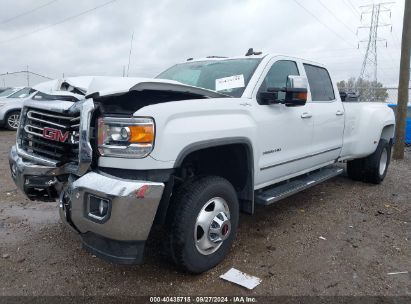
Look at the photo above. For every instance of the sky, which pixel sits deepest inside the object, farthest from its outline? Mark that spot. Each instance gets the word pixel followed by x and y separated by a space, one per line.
pixel 93 37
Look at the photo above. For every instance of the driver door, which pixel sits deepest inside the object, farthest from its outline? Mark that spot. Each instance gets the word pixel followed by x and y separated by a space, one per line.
pixel 284 133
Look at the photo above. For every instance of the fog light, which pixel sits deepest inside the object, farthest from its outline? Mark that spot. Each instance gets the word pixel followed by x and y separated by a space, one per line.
pixel 98 209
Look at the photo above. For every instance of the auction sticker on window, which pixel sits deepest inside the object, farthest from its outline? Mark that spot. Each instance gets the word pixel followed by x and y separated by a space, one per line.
pixel 227 83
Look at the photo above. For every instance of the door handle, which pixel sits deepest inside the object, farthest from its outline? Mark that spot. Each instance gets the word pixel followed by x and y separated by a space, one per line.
pixel 339 113
pixel 306 115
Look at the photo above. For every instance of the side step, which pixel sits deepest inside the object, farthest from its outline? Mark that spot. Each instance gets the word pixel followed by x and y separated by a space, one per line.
pixel 278 192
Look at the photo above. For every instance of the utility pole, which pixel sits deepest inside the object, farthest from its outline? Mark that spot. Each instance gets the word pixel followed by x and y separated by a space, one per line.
pixel 129 55
pixel 403 84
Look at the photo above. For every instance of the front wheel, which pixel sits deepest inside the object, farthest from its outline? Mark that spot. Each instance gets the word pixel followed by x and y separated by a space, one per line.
pixel 13 120
pixel 203 224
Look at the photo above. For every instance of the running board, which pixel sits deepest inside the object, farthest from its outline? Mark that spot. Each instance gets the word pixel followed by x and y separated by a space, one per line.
pixel 278 192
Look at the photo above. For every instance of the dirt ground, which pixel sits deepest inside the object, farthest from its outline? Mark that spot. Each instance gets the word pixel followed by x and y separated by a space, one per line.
pixel 366 231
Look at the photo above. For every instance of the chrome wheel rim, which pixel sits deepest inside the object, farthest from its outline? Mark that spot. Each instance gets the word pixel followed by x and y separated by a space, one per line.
pixel 213 226
pixel 13 121
pixel 383 161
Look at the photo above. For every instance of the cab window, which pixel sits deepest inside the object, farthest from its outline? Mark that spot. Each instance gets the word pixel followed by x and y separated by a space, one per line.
pixel 320 83
pixel 278 74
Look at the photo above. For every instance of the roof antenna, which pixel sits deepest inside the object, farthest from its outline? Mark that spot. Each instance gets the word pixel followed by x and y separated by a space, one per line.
pixel 251 52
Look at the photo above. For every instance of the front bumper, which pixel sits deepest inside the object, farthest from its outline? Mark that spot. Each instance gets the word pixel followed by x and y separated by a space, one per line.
pixel 131 206
pixel 38 182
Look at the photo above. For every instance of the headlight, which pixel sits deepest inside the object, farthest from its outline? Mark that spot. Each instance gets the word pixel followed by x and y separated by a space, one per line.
pixel 125 137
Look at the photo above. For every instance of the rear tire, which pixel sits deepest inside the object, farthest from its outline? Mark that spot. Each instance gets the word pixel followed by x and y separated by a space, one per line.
pixel 376 165
pixel 12 120
pixel 203 223
pixel 355 169
pixel 373 168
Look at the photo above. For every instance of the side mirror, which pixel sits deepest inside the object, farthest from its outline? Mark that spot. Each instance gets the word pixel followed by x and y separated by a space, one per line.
pixel 296 91
pixel 293 95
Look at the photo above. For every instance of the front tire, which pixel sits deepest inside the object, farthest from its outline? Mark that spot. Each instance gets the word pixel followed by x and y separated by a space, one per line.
pixel 13 120
pixel 203 223
pixel 373 168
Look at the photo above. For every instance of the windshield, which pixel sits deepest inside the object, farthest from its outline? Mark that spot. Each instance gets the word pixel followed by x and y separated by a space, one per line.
pixel 225 76
pixel 8 92
pixel 22 93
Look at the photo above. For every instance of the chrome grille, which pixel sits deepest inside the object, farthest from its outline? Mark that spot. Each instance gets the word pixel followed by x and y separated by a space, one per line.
pixel 51 136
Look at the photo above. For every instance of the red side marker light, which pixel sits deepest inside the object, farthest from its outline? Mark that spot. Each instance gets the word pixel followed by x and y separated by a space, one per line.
pixel 140 193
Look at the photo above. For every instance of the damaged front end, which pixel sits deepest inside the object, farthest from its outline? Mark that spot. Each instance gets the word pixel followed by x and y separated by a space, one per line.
pixel 52 161
pixel 56 157
pixel 51 144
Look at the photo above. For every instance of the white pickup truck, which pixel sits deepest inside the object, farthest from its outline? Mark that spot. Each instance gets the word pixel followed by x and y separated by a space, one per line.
pixel 190 149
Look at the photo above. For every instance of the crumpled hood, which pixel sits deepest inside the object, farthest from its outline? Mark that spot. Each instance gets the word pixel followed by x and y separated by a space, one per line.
pixel 101 86
pixel 72 86
pixel 108 86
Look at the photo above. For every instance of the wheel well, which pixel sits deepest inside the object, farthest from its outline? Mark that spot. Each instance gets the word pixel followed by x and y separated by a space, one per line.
pixel 231 159
pixel 233 162
pixel 11 111
pixel 387 132
pixel 8 112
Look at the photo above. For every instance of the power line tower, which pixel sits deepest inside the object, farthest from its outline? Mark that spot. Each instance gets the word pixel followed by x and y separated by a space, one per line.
pixel 369 69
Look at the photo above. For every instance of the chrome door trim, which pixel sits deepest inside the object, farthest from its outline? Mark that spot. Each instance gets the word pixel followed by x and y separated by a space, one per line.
pixel 300 158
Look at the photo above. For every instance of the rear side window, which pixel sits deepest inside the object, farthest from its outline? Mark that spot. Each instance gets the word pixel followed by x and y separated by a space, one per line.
pixel 320 83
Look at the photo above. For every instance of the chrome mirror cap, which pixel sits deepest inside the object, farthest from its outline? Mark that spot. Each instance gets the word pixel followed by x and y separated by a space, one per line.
pixel 297 82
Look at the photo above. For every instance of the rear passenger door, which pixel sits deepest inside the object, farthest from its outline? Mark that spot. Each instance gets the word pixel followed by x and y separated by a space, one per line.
pixel 327 113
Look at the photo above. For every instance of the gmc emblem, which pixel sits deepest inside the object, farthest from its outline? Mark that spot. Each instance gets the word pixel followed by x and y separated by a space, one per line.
pixel 55 134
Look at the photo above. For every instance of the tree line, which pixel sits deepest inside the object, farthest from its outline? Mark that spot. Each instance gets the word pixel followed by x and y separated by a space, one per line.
pixel 365 89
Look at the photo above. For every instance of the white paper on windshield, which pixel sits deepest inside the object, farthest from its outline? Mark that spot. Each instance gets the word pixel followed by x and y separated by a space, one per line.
pixel 227 83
